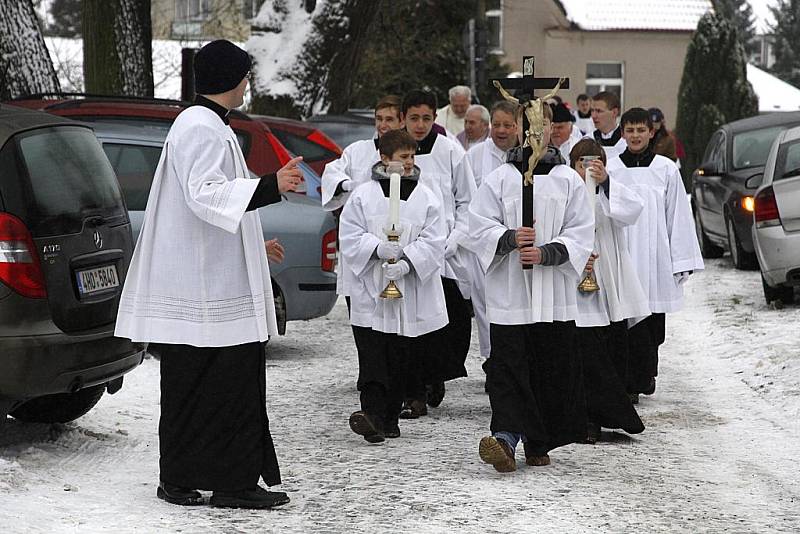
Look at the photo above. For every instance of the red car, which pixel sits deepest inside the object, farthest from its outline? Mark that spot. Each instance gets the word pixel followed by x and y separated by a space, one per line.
pixel 263 150
pixel 303 139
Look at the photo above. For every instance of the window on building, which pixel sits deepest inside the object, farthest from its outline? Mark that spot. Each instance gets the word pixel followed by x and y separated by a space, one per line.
pixel 494 25
pixel 250 8
pixel 605 76
pixel 192 9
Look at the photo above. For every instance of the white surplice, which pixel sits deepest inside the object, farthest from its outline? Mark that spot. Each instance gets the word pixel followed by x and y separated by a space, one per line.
pixel 361 228
pixel 447 172
pixel 562 214
pixel 611 151
pixel 484 158
pixel 199 274
pixel 354 164
pixel 662 242
pixel 621 295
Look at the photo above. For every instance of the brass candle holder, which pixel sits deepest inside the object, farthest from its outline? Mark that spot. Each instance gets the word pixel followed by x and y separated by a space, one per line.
pixel 588 284
pixel 391 290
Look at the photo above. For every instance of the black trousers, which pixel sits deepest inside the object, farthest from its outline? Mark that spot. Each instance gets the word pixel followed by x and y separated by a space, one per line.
pixel 535 382
pixel 643 342
pixel 383 363
pixel 604 350
pixel 214 431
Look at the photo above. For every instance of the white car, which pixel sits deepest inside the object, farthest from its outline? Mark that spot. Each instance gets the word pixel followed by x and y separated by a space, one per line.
pixel 776 232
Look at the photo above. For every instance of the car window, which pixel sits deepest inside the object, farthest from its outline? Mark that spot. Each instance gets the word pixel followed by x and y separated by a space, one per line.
pixel 712 148
pixel 300 145
pixel 751 149
pixel 788 161
pixel 135 166
pixel 346 133
pixel 69 178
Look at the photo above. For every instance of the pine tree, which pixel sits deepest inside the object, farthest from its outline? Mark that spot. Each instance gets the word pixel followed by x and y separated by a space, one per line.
pixel 118 47
pixel 714 89
pixel 25 65
pixel 787 41
pixel 740 14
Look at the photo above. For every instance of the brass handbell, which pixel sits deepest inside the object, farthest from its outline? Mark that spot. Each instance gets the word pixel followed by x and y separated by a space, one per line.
pixel 588 284
pixel 391 291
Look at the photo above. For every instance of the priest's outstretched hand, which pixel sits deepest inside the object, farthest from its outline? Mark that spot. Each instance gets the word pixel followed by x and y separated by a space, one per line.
pixel 590 264
pixel 290 175
pixel 396 271
pixel 389 250
pixel 530 255
pixel 525 236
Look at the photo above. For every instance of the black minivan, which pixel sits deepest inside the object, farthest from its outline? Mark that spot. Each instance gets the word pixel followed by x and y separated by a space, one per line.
pixel 65 247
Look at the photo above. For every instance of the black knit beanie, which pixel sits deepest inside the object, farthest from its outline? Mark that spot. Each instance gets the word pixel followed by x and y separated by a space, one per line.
pixel 219 67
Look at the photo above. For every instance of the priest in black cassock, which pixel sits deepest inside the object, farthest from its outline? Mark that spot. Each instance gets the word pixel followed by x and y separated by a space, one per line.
pixel 198 291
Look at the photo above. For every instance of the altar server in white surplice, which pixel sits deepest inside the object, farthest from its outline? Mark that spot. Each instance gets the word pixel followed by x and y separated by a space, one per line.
pixel 198 291
pixel 662 242
pixel 602 314
pixel 605 112
pixel 534 376
pixel 389 333
pixel 445 169
pixel 485 158
pixel 354 167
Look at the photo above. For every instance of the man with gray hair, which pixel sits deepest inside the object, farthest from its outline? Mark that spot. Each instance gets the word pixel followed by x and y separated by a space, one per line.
pixel 476 126
pixel 451 117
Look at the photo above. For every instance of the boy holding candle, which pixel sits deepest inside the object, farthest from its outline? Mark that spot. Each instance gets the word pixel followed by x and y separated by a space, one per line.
pixel 662 243
pixel 602 314
pixel 389 331
pixel 534 376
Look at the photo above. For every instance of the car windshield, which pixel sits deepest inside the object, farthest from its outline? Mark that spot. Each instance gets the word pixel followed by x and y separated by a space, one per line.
pixel 69 178
pixel 750 149
pixel 346 133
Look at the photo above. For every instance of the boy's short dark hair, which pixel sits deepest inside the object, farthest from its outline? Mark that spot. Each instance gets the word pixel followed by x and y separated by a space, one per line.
pixel 586 147
pixel 395 140
pixel 583 97
pixel 636 116
pixel 419 98
pixel 611 99
pixel 505 106
pixel 389 101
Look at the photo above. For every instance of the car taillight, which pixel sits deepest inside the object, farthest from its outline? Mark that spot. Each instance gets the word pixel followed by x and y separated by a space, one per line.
pixel 329 251
pixel 766 209
pixel 279 149
pixel 324 141
pixel 19 264
pixel 748 203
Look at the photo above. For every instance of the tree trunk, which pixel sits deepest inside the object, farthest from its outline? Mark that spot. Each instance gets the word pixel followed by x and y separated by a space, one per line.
pixel 25 65
pixel 117 47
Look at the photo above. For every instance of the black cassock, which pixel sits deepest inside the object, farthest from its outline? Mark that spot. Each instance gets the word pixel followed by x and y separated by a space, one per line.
pixel 605 367
pixel 535 382
pixel 214 431
pixel 644 339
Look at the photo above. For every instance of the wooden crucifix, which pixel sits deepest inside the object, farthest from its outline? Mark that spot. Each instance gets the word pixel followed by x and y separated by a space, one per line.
pixel 532 123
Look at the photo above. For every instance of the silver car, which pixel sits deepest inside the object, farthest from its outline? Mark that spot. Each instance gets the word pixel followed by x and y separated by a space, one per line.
pixel 304 284
pixel 776 232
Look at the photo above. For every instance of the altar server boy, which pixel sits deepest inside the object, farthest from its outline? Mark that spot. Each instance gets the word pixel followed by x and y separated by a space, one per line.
pixel 662 242
pixel 387 332
pixel 602 314
pixel 534 375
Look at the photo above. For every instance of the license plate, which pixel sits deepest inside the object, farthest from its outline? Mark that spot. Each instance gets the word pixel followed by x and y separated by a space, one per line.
pixel 97 279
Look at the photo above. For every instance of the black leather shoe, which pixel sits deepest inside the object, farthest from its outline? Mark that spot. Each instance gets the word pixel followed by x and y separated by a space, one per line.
pixel 435 393
pixel 392 430
pixel 367 425
pixel 177 495
pixel 255 499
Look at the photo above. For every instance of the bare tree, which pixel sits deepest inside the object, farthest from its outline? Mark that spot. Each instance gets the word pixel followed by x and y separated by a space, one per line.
pixel 117 47
pixel 25 65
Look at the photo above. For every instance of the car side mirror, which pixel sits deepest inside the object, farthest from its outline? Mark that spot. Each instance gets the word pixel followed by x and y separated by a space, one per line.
pixel 707 169
pixel 754 181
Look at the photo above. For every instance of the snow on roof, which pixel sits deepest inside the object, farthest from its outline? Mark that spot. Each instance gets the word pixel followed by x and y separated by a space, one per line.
pixel 773 93
pixel 654 15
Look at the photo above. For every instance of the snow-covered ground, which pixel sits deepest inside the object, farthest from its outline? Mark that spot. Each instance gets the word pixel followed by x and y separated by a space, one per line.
pixel 719 453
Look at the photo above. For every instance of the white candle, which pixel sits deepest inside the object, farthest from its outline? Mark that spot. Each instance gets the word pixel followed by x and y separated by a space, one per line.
pixel 591 185
pixel 394 201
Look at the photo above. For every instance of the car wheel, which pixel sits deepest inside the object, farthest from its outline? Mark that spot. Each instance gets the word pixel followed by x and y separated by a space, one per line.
pixel 742 259
pixel 59 408
pixel 783 293
pixel 707 248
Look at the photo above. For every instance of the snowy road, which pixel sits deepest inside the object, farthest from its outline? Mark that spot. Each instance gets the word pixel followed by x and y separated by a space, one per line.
pixel 720 453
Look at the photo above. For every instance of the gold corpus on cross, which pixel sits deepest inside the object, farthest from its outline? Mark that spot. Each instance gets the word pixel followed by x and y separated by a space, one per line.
pixel 534 135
